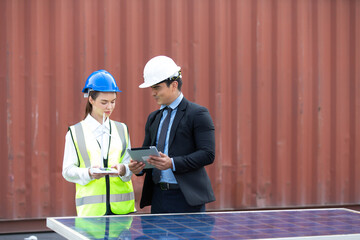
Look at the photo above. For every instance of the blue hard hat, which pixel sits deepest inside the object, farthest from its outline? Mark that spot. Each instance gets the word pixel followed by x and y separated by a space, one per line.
pixel 101 81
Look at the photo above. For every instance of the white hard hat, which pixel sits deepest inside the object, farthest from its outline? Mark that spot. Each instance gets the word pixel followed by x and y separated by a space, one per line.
pixel 159 69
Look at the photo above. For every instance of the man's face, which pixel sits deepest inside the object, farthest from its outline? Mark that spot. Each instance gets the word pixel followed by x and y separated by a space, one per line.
pixel 163 94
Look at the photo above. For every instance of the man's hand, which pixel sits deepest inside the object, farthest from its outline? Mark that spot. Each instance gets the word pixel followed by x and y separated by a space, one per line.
pixel 162 163
pixel 136 167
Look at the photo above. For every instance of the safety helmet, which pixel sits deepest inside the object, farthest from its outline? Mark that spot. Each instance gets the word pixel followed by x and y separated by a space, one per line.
pixel 159 69
pixel 101 81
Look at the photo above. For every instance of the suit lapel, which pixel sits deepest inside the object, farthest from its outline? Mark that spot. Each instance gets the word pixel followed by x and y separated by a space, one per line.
pixel 154 127
pixel 179 114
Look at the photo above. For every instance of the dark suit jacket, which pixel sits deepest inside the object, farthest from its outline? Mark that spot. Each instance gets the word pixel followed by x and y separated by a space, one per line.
pixel 191 145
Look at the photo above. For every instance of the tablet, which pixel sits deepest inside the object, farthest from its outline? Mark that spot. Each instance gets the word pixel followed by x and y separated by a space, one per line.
pixel 143 154
pixel 103 170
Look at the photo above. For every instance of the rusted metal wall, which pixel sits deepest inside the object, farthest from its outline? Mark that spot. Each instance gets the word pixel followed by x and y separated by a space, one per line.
pixel 281 80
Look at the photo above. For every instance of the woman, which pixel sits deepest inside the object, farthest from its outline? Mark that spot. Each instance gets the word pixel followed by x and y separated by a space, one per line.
pixel 94 145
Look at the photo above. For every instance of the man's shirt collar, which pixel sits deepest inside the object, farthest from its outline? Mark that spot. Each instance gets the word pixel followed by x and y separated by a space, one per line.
pixel 175 103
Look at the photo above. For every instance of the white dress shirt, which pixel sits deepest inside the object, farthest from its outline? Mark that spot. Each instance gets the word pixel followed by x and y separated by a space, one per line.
pixel 71 172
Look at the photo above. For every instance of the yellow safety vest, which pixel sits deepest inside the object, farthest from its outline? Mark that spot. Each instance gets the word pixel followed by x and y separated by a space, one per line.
pixel 91 198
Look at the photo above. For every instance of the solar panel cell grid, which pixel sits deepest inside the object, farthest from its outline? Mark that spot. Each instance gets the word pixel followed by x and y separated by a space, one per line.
pixel 229 225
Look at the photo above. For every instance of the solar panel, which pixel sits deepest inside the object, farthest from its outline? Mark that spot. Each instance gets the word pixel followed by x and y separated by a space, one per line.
pixel 334 223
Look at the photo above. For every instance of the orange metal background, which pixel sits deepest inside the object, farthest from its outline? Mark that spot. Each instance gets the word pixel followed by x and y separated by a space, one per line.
pixel 281 80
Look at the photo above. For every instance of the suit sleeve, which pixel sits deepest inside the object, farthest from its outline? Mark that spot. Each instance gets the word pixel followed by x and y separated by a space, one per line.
pixel 203 140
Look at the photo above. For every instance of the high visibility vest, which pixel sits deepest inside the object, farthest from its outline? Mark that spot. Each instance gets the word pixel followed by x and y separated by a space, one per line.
pixel 91 198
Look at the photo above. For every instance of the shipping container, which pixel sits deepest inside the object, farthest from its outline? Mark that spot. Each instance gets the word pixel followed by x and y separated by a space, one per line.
pixel 280 78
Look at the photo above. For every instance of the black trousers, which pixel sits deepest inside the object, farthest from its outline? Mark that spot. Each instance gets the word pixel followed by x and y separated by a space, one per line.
pixel 172 201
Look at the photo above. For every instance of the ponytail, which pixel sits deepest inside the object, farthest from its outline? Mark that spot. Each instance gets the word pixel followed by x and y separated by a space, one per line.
pixel 88 108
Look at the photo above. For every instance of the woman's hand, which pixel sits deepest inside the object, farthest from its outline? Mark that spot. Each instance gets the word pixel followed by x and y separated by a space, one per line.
pixel 121 169
pixel 96 175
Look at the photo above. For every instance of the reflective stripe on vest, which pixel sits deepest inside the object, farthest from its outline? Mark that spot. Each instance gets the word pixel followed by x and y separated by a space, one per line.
pixel 102 198
pixel 81 144
pixel 122 136
pixel 91 198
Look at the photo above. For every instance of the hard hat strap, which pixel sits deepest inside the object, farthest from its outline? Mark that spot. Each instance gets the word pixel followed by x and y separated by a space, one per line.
pixel 175 77
pixel 87 94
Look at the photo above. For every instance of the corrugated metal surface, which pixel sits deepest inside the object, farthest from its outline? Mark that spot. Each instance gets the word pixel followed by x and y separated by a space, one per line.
pixel 281 80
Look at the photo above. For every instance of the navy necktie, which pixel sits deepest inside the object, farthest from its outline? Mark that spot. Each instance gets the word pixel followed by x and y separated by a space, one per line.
pixel 161 142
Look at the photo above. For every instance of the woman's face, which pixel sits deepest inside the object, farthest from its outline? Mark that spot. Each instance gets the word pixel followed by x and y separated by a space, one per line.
pixel 104 103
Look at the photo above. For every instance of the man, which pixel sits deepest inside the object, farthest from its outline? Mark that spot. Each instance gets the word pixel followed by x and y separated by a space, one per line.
pixel 185 139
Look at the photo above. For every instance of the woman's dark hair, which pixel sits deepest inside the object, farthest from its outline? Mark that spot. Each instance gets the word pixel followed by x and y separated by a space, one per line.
pixel 88 108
